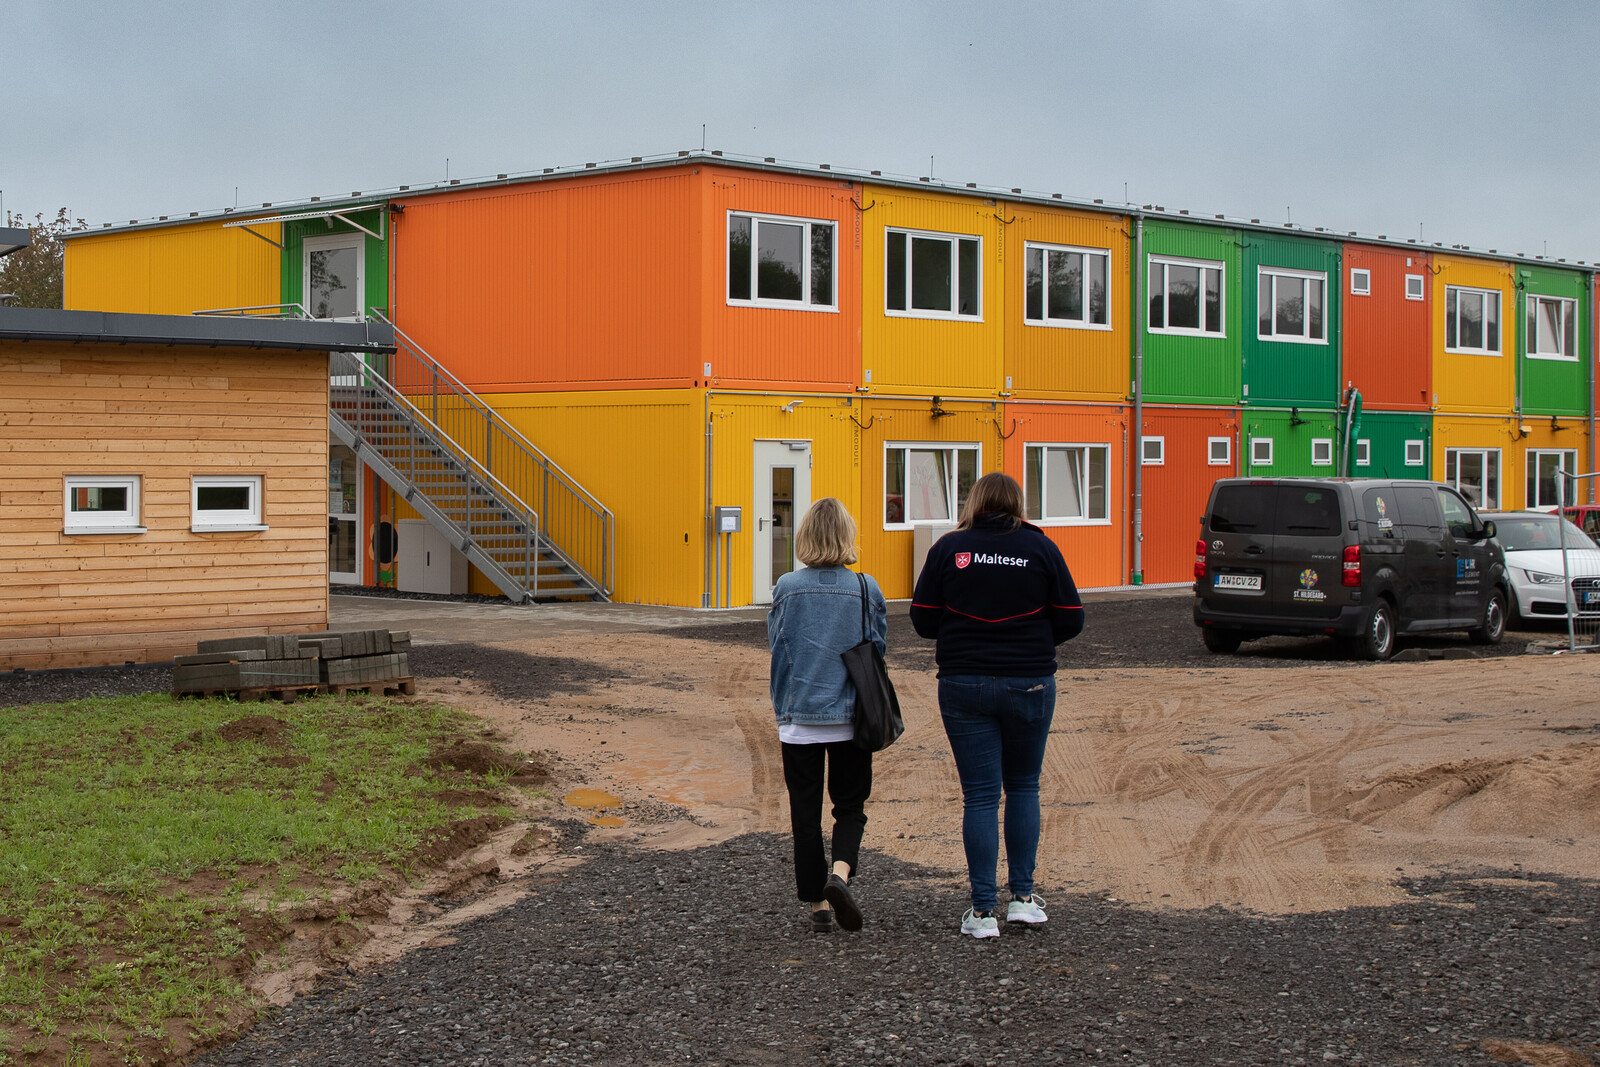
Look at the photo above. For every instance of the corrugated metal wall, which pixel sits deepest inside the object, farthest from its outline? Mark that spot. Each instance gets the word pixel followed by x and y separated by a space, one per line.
pixel 173 270
pixel 1196 370
pixel 1470 382
pixel 1500 433
pixel 1095 550
pixel 1282 372
pixel 375 256
pixel 1059 362
pixel 586 284
pixel 1553 386
pixel 946 357
pixel 1292 438
pixel 1387 350
pixel 766 347
pixel 1176 491
pixel 1386 434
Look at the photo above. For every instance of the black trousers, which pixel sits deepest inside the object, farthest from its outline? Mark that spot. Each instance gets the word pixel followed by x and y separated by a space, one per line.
pixel 849 780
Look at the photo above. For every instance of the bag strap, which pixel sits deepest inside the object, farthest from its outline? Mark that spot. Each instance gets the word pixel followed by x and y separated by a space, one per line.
pixel 862 578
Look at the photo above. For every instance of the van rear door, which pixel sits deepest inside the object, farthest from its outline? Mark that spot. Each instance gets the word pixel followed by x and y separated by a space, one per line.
pixel 1239 543
pixel 1307 552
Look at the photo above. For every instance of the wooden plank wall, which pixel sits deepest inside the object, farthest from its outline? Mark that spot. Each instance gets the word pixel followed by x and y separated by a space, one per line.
pixel 164 414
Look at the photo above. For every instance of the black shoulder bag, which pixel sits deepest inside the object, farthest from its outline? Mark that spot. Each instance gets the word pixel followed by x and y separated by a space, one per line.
pixel 878 720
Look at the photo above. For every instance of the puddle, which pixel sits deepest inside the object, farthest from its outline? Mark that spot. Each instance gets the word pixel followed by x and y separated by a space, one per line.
pixel 597 799
pixel 608 820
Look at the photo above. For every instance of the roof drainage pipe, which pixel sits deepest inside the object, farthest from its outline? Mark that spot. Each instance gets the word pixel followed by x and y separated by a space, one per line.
pixel 1139 311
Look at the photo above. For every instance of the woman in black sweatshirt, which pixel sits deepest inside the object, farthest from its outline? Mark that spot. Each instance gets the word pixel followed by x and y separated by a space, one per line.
pixel 998 597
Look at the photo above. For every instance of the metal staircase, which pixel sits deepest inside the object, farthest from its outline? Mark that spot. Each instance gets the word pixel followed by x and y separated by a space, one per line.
pixel 516 515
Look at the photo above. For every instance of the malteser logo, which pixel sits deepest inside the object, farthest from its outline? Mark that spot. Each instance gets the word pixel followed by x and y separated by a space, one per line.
pixel 962 559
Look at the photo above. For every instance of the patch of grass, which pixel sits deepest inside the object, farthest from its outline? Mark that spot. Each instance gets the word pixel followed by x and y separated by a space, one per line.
pixel 133 835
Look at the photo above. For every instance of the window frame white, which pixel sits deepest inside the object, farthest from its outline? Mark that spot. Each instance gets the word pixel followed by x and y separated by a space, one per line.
pixel 1365 274
pixel 1085 447
pixel 1153 261
pixel 953 476
pixel 1569 312
pixel 1421 453
pixel 1422 287
pixel 1046 250
pixel 124 521
pixel 1255 445
pixel 1160 457
pixel 1304 277
pixel 1212 459
pixel 219 521
pixel 1363 456
pixel 954 240
pixel 1326 444
pixel 1452 458
pixel 805 303
pixel 1500 320
pixel 328 243
pixel 1531 486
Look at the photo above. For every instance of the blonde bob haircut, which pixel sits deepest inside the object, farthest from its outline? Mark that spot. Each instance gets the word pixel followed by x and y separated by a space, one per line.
pixel 827 535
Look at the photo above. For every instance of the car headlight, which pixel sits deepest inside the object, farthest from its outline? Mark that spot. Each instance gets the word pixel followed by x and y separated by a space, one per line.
pixel 1540 578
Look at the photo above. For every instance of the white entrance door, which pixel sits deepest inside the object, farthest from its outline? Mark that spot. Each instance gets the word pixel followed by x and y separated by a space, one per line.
pixel 782 494
pixel 344 516
pixel 333 277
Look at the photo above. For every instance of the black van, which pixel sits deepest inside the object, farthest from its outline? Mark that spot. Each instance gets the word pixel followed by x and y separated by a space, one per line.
pixel 1361 559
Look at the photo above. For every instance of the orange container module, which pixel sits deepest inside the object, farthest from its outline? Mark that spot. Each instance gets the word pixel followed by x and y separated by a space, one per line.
pixel 1184 451
pixel 1388 302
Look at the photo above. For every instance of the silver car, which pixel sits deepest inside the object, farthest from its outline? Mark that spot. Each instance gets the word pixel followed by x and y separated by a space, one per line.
pixel 1532 544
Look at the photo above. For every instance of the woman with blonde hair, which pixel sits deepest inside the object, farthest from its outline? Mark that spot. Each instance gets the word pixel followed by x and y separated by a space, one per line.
pixel 816 615
pixel 997 596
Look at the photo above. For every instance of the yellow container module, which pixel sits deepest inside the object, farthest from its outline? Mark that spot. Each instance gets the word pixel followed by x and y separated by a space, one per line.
pixel 1506 462
pixel 933 305
pixel 174 270
pixel 1474 336
pixel 1066 326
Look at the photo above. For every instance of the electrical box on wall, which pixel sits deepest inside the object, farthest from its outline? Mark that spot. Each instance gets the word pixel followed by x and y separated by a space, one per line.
pixel 730 520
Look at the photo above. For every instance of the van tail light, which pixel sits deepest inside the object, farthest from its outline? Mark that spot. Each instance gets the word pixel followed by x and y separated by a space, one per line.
pixel 1352 565
pixel 1200 560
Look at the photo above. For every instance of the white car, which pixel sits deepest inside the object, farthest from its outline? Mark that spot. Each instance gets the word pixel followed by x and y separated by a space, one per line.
pixel 1534 565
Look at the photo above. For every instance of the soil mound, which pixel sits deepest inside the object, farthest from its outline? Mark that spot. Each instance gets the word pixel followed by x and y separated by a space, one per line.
pixel 1544 792
pixel 458 838
pixel 263 728
pixel 473 757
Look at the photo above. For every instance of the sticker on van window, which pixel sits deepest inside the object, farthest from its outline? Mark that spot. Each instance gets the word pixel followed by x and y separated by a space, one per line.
pixel 1308 587
pixel 1384 522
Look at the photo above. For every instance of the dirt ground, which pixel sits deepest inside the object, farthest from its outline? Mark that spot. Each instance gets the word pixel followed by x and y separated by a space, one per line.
pixel 1311 786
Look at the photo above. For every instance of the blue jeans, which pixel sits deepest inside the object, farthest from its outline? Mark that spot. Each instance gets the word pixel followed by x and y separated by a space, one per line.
pixel 997 729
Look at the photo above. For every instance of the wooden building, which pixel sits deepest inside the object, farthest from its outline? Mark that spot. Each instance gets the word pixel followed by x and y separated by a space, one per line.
pixel 163 479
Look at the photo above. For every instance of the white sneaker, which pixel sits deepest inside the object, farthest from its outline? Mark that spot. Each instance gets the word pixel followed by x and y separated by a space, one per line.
pixel 1026 911
pixel 979 926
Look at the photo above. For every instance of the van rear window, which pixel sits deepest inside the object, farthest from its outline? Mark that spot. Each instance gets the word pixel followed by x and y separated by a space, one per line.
pixel 1298 511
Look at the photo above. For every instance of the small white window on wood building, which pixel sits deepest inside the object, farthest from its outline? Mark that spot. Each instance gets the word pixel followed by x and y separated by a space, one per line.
pixel 101 505
pixel 225 503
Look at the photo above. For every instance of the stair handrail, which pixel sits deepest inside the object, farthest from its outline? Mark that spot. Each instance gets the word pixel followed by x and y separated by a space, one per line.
pixel 491 415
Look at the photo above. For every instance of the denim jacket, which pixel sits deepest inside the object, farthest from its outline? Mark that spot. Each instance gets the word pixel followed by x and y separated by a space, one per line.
pixel 816 615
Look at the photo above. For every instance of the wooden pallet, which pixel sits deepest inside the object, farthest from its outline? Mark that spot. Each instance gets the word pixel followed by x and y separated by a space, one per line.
pixel 286 693
pixel 387 687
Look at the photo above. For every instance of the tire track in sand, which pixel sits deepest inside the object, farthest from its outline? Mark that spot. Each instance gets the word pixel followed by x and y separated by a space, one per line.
pixel 736 683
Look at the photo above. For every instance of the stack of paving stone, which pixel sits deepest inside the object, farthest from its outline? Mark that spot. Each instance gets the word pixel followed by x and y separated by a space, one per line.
pixel 362 659
pixel 274 664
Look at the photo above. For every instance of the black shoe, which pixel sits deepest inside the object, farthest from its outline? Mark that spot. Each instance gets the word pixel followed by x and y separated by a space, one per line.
pixel 838 894
pixel 822 922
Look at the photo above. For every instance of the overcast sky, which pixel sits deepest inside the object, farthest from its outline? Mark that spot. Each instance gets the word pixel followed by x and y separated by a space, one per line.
pixel 1474 121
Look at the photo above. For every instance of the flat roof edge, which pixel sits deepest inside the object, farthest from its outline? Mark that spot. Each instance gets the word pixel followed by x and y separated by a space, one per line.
pixel 108 327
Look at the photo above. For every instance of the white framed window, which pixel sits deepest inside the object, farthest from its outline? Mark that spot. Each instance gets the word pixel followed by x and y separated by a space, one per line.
pixel 333 276
pixel 1475 473
pixel 225 502
pixel 1186 296
pixel 775 261
pixel 1414 287
pixel 1290 305
pixel 1067 286
pixel 1322 451
pixel 933 275
pixel 1472 320
pixel 1360 281
pixel 1065 484
pixel 101 504
pixel 1552 330
pixel 1544 480
pixel 1416 453
pixel 926 481
pixel 1363 452
pixel 1219 451
pixel 1153 451
pixel 1260 451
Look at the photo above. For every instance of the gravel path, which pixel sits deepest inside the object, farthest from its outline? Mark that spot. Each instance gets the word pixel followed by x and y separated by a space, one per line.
pixel 701 957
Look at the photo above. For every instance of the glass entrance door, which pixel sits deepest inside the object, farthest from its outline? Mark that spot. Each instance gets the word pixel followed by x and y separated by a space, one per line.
pixel 332 277
pixel 782 494
pixel 344 516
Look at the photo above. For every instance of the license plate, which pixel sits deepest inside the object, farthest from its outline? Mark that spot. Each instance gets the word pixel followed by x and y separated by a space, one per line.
pixel 1245 582
pixel 1592 597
